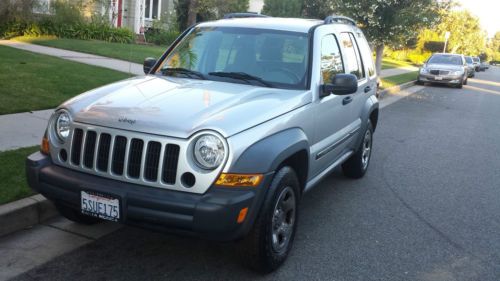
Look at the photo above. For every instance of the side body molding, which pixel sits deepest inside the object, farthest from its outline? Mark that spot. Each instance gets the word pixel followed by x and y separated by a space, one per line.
pixel 266 155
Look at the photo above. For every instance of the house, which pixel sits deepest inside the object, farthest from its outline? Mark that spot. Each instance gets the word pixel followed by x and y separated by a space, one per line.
pixel 136 15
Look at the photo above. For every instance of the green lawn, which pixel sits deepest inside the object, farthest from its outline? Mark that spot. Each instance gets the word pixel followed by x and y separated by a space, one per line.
pixel 30 81
pixel 390 81
pixel 388 63
pixel 129 52
pixel 13 183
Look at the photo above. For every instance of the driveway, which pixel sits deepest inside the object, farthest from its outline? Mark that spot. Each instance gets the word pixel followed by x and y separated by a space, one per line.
pixel 428 209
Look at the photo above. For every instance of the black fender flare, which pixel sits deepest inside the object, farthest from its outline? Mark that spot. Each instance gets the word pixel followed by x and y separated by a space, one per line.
pixel 267 154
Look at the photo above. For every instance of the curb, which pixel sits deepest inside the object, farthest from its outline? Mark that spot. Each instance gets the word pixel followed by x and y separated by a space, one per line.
pixel 24 213
pixel 396 89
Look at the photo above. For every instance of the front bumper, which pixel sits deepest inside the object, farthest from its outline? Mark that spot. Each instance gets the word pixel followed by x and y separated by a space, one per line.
pixel 212 215
pixel 441 79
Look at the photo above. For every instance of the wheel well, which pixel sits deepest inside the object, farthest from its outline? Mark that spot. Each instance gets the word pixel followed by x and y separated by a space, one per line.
pixel 374 118
pixel 299 162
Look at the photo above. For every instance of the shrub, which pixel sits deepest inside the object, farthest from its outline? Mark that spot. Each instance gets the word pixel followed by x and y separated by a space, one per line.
pixel 160 36
pixel 66 21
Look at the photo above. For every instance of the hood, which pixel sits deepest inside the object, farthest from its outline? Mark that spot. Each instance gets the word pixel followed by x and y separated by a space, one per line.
pixel 179 107
pixel 449 67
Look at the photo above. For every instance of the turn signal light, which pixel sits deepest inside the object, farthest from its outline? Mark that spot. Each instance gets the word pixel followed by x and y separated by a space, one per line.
pixel 242 215
pixel 239 179
pixel 44 147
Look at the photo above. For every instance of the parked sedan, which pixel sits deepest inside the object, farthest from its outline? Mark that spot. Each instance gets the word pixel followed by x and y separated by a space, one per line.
pixel 450 69
pixel 471 70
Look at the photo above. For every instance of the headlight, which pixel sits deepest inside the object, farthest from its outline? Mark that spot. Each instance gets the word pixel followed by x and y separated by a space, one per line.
pixel 458 72
pixel 423 70
pixel 209 151
pixel 62 124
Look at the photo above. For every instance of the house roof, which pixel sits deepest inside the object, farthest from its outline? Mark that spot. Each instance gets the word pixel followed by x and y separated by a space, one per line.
pixel 287 24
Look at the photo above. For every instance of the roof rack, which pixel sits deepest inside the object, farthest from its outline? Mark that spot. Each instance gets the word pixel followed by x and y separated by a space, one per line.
pixel 243 15
pixel 339 19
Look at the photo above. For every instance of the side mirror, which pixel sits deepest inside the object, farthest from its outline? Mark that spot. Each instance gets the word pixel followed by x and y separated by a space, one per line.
pixel 148 64
pixel 342 84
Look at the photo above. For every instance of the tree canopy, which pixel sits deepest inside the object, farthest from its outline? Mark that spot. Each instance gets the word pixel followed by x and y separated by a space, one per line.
pixel 280 8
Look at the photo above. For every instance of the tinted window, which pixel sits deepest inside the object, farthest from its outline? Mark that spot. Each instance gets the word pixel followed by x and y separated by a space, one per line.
pixel 331 60
pixel 446 59
pixel 353 62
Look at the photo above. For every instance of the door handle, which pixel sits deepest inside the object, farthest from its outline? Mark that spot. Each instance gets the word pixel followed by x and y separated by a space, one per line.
pixel 346 100
pixel 367 89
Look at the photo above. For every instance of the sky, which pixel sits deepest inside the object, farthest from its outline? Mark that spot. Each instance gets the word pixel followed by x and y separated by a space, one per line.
pixel 488 12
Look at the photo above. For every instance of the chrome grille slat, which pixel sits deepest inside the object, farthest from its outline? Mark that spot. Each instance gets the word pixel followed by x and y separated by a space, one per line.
pixel 160 164
pixel 111 153
pixel 96 150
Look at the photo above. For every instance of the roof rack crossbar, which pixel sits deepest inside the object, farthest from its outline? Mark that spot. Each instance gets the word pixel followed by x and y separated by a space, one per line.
pixel 243 15
pixel 339 19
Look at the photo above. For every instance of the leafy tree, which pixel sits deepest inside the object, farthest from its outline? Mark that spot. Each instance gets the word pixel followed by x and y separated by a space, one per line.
pixel 317 9
pixel 280 8
pixel 466 35
pixel 390 22
pixel 190 12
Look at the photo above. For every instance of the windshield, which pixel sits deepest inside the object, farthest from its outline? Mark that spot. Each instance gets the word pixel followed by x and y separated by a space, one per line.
pixel 262 57
pixel 476 59
pixel 468 59
pixel 445 59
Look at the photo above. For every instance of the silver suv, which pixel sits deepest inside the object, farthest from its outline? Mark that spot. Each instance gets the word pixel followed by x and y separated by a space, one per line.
pixel 235 122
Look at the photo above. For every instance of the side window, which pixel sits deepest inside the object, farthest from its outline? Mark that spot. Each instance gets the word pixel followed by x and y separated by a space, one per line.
pixel 367 55
pixel 353 63
pixel 331 60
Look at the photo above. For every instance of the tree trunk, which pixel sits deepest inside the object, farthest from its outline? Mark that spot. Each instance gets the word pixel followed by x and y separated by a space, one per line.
pixel 192 11
pixel 379 51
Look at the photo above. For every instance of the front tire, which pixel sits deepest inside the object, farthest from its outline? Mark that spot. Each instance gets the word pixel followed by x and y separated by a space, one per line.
pixel 357 165
pixel 267 245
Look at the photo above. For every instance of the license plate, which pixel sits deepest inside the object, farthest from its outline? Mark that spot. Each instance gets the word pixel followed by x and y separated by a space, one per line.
pixel 438 78
pixel 100 206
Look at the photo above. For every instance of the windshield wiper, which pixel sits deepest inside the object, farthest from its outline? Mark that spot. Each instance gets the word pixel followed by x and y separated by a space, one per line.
pixel 188 72
pixel 241 76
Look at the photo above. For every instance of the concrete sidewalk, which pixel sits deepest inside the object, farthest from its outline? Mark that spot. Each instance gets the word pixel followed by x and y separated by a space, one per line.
pixel 115 64
pixel 23 129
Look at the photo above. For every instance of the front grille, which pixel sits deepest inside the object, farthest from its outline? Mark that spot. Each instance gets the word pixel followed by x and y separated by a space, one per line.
pixel 439 72
pixel 128 157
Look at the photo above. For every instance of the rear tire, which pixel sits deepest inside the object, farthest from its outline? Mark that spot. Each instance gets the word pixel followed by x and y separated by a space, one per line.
pixel 267 245
pixel 357 165
pixel 76 216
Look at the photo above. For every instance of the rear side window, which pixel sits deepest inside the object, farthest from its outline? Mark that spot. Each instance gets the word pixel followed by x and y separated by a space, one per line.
pixel 353 63
pixel 331 60
pixel 367 55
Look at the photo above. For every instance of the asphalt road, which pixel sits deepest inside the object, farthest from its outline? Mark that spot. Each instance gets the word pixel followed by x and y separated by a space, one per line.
pixel 428 209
